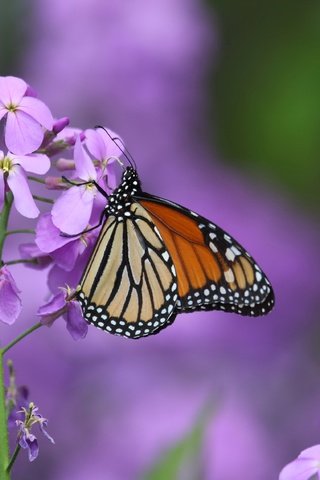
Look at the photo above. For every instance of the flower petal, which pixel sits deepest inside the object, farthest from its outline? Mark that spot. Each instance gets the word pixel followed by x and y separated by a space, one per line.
pixel 66 256
pixel 3 110
pixel 84 165
pixel 311 452
pixel 96 144
pixel 52 310
pixel 53 306
pixel 23 134
pixel 111 176
pixel 60 124
pixel 72 210
pixel 76 325
pixel 44 431
pixel 299 469
pixel 12 90
pixel 23 200
pixel 48 236
pixel 38 110
pixel 32 251
pixel 34 162
pixel 33 447
pixel 114 147
pixel 58 277
pixel 10 302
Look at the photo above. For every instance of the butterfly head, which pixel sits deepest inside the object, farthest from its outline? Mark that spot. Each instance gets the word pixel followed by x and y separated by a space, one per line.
pixel 130 182
pixel 120 199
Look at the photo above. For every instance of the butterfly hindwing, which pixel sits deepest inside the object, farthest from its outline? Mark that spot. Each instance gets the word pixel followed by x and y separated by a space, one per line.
pixel 129 287
pixel 213 270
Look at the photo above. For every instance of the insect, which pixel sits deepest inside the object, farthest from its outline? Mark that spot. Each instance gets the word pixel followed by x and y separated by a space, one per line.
pixel 154 259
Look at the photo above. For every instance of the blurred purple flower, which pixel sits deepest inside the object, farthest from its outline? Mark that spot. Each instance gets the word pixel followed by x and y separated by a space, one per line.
pixel 16 397
pixel 72 211
pixel 305 466
pixel 70 310
pixel 69 135
pixel 26 116
pixel 64 250
pixel 10 301
pixel 61 138
pixel 17 400
pixel 26 439
pixel 50 145
pixel 13 170
pixel 31 251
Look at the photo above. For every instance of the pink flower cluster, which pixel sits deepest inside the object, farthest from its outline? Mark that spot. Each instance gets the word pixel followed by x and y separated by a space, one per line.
pixel 35 142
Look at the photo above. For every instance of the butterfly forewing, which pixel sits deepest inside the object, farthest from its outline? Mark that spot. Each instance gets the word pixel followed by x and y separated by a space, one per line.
pixel 213 270
pixel 129 286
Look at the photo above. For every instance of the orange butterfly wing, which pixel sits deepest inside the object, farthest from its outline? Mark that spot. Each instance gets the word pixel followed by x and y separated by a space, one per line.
pixel 213 270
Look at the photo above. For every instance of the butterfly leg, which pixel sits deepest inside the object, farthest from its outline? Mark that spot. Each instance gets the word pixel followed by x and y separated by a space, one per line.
pixel 67 235
pixel 93 182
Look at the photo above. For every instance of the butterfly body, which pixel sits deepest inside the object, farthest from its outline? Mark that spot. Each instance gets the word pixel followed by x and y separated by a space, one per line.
pixel 154 259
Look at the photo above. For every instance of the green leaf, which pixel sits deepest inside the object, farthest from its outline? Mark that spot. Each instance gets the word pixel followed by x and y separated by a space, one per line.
pixel 184 456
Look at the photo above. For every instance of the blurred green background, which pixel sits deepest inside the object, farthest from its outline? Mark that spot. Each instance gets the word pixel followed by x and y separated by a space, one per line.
pixel 264 95
pixel 265 91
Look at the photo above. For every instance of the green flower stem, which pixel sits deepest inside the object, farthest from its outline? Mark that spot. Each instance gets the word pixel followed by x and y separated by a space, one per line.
pixel 4 218
pixel 13 458
pixel 36 179
pixel 4 442
pixel 20 230
pixel 19 338
pixel 43 199
pixel 22 260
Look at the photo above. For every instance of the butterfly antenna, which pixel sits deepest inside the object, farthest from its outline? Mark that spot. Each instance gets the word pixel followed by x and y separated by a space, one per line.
pixel 122 147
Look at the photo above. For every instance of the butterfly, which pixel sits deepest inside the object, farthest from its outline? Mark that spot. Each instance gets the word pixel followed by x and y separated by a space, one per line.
pixel 154 259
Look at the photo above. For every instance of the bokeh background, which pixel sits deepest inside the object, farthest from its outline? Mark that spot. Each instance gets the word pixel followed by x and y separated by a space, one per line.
pixel 219 103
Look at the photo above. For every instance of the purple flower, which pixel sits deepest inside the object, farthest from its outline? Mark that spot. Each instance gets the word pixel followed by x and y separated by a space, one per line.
pixel 17 398
pixel 304 467
pixel 105 151
pixel 60 125
pixel 69 135
pixel 72 211
pixel 60 138
pixel 31 251
pixel 13 170
pixel 26 116
pixel 64 250
pixel 26 439
pixel 70 310
pixel 10 301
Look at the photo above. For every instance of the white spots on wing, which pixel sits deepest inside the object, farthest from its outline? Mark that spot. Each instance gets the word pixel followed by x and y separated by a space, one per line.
pixel 230 255
pixel 235 250
pixel 213 247
pixel 258 276
pixel 165 256
pixel 229 276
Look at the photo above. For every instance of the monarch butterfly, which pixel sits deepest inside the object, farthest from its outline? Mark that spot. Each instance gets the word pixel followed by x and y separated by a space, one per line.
pixel 154 259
